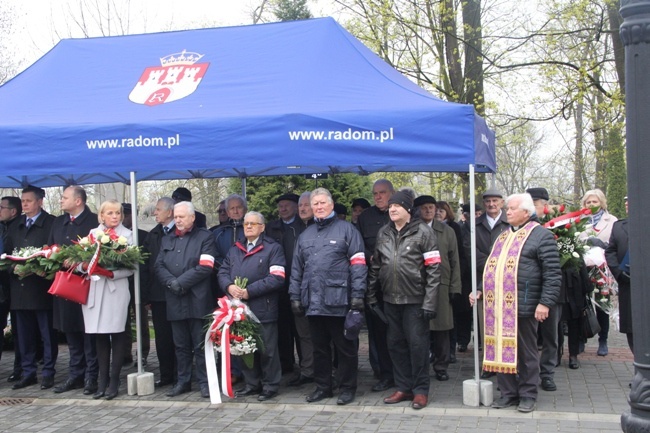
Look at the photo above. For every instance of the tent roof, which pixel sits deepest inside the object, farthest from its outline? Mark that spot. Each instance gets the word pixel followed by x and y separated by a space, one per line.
pixel 285 98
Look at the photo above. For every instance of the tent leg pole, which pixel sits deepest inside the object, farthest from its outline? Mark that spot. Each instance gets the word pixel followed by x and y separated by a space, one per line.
pixel 140 383
pixel 475 391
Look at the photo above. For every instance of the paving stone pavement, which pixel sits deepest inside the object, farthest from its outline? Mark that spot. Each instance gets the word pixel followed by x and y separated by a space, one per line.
pixel 590 399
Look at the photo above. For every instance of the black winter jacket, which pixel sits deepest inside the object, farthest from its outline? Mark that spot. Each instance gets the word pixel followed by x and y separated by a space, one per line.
pixel 153 290
pixel 264 266
pixel 539 275
pixel 179 259
pixel 328 268
pixel 398 265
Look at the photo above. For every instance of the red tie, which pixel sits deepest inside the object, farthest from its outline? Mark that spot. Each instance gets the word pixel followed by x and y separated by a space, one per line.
pixel 72 219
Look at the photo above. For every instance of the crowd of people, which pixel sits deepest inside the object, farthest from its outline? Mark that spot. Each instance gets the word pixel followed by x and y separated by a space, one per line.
pixel 403 263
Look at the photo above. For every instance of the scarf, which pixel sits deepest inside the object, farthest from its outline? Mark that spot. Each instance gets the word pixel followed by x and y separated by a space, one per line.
pixel 595 218
pixel 500 300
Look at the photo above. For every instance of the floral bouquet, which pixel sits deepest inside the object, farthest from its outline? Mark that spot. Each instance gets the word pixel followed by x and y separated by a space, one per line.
pixel 603 280
pixel 44 262
pixel 234 330
pixel 566 229
pixel 103 248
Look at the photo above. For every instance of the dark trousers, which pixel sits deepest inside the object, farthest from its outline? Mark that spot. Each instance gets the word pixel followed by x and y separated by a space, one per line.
pixel 324 331
pixel 144 329
pixel 83 356
pixel 573 326
pixel 378 352
pixel 18 364
pixel 188 340
pixel 164 341
pixel 441 349
pixel 548 331
pixel 408 342
pixel 527 363
pixel 603 321
pixel 286 334
pixel 35 326
pixel 266 371
pixel 463 326
pixel 107 344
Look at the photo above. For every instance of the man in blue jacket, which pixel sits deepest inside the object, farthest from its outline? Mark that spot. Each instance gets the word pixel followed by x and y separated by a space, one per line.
pixel 260 260
pixel 328 278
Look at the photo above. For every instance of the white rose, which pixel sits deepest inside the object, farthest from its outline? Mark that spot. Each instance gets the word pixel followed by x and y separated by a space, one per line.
pixel 84 241
pixel 576 255
pixel 104 239
pixel 121 240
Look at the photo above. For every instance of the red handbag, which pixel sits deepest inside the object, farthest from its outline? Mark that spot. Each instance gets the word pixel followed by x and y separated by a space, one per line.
pixel 70 286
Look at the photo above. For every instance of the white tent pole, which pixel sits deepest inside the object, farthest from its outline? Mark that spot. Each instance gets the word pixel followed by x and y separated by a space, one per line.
pixel 136 274
pixel 472 226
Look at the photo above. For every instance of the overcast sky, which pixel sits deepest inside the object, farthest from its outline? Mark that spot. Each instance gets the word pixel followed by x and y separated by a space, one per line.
pixel 40 23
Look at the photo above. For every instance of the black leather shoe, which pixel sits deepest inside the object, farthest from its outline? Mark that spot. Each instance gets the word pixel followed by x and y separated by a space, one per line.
pixel 90 387
pixel 573 363
pixel 205 391
pixel 548 384
pixel 99 394
pixel 383 385
pixel 526 404
pixel 318 395
pixel 504 402
pixel 25 382
pixel 462 348
pixel 14 377
pixel 442 375
pixel 345 397
pixel 248 390
pixel 47 382
pixel 163 382
pixel 266 395
pixel 179 389
pixel 110 395
pixel 300 380
pixel 68 385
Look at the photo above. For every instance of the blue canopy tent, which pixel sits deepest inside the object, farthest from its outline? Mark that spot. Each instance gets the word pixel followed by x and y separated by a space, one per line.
pixel 286 98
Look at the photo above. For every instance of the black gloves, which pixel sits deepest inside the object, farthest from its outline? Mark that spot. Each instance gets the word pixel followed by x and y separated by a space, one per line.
pixel 356 304
pixel 428 314
pixel 297 309
pixel 175 288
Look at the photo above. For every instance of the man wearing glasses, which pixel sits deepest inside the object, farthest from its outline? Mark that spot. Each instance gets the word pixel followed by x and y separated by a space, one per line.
pixel 261 260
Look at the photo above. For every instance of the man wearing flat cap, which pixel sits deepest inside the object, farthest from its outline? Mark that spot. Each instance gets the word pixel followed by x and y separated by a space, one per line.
pixel 184 194
pixel 548 329
pixel 285 231
pixel 406 269
pixel 449 293
pixel 488 227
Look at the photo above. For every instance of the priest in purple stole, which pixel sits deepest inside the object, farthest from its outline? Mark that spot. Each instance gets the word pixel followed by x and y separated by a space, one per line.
pixel 521 281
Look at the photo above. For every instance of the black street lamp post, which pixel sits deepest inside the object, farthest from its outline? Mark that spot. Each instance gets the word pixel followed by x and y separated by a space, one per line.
pixel 635 34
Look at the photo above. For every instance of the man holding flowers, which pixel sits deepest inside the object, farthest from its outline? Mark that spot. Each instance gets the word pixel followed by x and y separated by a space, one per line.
pixel 184 266
pixel 260 262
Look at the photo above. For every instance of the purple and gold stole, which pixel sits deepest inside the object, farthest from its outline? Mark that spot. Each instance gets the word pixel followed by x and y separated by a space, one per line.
pixel 500 300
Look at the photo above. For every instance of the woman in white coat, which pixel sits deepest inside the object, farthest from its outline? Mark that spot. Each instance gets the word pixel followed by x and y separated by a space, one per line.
pixel 108 305
pixel 598 235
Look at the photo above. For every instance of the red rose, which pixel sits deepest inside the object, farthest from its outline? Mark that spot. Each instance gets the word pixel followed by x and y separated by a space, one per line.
pixel 568 226
pixel 546 211
pixel 551 224
pixel 562 207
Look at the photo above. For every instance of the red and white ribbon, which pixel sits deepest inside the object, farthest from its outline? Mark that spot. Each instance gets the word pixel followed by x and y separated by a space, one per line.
pixel 227 313
pixel 46 252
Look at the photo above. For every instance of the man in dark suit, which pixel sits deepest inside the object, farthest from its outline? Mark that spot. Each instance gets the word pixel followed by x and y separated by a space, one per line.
pixel 10 210
pixel 153 292
pixel 76 222
pixel 29 297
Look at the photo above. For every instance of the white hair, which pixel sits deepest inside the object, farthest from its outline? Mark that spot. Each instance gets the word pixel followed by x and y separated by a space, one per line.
pixel 525 202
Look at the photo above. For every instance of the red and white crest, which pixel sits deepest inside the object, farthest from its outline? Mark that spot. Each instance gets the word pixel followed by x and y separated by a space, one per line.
pixel 178 76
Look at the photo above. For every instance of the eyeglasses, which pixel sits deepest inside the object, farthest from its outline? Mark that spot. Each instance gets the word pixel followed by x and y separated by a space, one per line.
pixel 251 224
